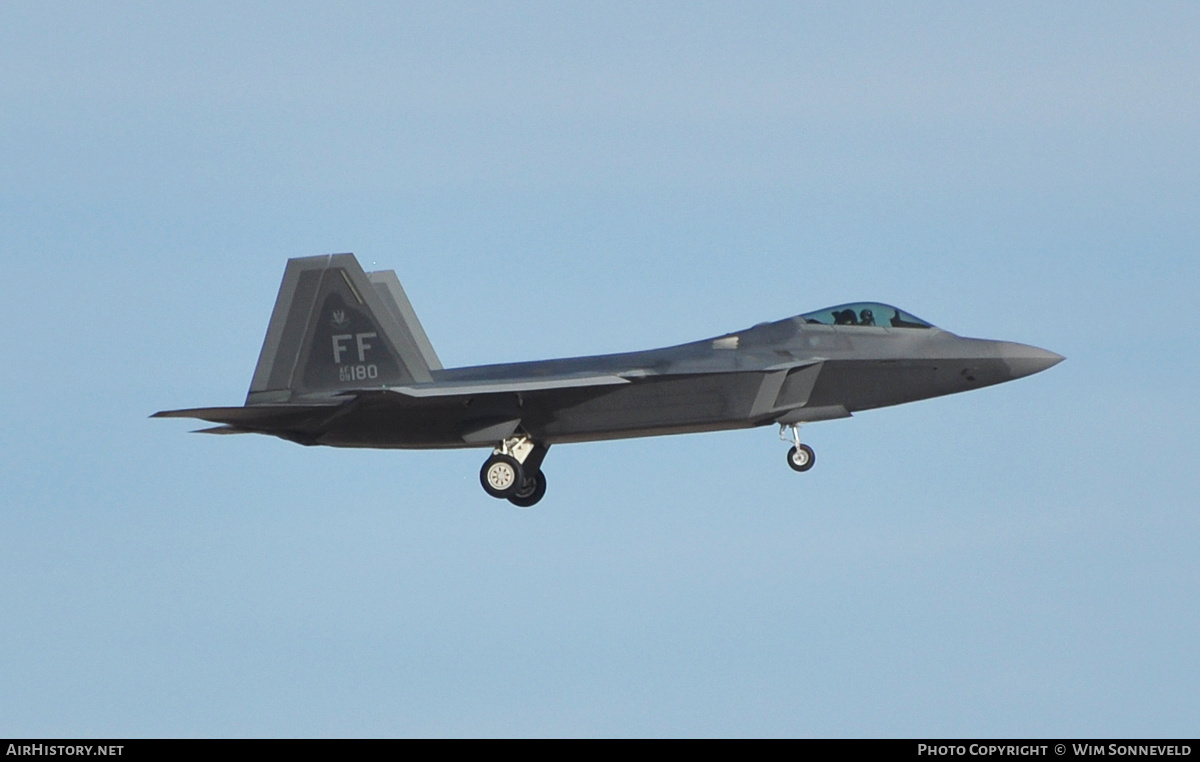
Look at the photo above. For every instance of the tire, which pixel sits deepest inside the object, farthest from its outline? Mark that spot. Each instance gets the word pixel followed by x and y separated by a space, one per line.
pixel 801 458
pixel 501 475
pixel 533 490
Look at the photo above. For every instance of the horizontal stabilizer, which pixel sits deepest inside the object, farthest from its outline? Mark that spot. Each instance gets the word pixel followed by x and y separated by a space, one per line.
pixel 223 430
pixel 253 417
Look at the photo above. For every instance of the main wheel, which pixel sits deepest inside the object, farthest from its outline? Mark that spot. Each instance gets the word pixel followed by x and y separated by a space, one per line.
pixel 531 491
pixel 801 458
pixel 501 475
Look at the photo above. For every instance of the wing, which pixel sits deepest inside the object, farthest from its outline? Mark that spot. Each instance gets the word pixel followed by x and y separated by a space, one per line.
pixel 509 386
pixel 306 423
pixel 477 412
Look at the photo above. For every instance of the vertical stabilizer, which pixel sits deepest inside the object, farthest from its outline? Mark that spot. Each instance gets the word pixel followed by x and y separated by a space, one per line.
pixel 390 289
pixel 333 330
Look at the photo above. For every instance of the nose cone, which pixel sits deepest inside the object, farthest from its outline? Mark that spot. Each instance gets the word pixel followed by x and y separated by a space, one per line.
pixel 1024 360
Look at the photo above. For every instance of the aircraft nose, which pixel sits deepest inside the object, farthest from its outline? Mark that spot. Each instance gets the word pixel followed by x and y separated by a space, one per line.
pixel 1024 360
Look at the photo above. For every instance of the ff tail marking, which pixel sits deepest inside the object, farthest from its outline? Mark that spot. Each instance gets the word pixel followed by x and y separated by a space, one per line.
pixel 334 327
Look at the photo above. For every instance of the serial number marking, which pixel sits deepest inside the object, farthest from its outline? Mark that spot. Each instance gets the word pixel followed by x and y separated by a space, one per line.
pixel 357 372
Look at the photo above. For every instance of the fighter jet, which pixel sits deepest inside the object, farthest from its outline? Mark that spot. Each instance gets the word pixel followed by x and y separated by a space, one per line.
pixel 346 363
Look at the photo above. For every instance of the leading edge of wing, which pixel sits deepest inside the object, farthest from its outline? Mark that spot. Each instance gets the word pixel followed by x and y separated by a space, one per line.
pixel 566 381
pixel 488 386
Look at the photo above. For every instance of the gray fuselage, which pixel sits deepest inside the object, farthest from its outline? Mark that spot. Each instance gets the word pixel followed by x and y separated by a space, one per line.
pixel 790 371
pixel 346 363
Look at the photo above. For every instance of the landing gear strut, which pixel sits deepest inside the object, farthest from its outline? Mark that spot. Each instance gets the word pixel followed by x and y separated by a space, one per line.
pixel 801 456
pixel 514 472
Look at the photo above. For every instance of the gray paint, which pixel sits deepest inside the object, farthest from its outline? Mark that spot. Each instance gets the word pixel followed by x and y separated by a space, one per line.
pixel 787 372
pixel 389 288
pixel 283 372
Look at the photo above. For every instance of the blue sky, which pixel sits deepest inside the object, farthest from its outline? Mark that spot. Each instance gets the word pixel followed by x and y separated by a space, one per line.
pixel 551 179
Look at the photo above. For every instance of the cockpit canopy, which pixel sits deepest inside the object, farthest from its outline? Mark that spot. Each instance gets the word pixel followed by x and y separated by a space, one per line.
pixel 865 314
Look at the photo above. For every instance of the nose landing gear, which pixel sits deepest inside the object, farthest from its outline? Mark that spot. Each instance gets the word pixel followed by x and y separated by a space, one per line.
pixel 801 457
pixel 514 472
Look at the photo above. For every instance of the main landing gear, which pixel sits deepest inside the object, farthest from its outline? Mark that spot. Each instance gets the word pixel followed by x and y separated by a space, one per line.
pixel 514 472
pixel 801 456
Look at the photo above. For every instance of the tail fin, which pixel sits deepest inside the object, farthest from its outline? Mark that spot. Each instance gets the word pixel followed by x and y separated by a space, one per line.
pixel 393 294
pixel 336 328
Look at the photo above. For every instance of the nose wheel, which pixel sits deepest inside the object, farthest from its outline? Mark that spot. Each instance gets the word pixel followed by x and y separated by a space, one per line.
pixel 514 472
pixel 801 457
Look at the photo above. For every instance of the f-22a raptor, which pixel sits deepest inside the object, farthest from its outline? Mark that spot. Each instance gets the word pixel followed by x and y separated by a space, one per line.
pixel 346 363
